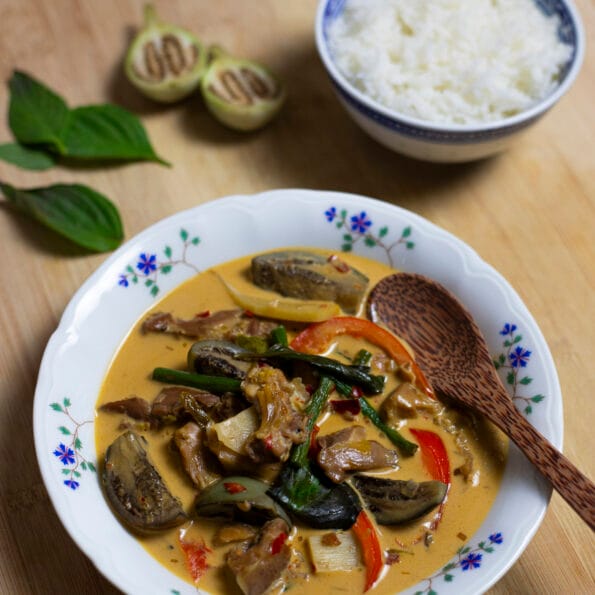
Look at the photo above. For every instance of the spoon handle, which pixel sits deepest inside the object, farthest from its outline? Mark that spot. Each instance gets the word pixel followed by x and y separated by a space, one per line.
pixel 565 478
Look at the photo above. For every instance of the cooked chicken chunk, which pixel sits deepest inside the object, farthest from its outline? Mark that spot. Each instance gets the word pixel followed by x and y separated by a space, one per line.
pixel 346 451
pixel 258 565
pixel 197 460
pixel 281 426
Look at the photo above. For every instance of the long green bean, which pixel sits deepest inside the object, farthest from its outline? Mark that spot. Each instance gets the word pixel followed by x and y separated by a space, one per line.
pixel 215 384
pixel 358 375
pixel 405 446
pixel 334 506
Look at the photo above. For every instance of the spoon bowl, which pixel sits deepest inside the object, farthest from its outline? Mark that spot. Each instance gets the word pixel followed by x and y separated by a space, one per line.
pixel 452 353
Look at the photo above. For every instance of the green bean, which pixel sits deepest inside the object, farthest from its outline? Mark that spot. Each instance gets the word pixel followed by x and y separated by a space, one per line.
pixel 279 336
pixel 299 454
pixel 358 375
pixel 321 506
pixel 214 384
pixel 362 358
pixel 405 446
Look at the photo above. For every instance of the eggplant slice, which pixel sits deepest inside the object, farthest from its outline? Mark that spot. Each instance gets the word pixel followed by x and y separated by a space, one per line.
pixel 310 276
pixel 239 498
pixel 135 489
pixel 218 358
pixel 395 502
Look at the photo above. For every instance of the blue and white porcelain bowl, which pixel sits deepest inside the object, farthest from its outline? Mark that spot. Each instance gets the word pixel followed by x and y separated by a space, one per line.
pixel 432 141
pixel 133 279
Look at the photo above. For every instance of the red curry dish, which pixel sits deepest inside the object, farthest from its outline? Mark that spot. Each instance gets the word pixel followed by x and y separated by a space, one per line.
pixel 260 434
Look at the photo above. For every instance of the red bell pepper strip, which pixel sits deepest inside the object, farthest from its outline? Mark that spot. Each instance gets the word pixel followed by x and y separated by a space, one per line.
pixel 196 553
pixel 232 487
pixel 367 536
pixel 314 446
pixel 317 337
pixel 433 454
pixel 277 543
pixel 435 459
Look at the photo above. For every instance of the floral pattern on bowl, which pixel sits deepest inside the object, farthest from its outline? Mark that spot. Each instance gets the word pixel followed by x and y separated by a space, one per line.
pixel 148 268
pixel 64 425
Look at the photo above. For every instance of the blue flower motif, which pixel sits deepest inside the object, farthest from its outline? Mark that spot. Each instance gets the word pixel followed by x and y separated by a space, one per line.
pixel 331 214
pixel 471 561
pixel 496 538
pixel 519 357
pixel 147 263
pixel 360 223
pixel 73 485
pixel 65 454
pixel 508 329
pixel 123 281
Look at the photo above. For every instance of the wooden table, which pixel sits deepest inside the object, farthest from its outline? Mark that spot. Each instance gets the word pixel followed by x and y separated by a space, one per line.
pixel 529 212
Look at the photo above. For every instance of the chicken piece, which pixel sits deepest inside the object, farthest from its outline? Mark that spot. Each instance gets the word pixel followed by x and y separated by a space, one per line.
pixel 464 427
pixel 198 462
pixel 225 324
pixel 170 404
pixel 133 407
pixel 258 565
pixel 350 434
pixel 406 402
pixel 227 534
pixel 342 458
pixel 281 426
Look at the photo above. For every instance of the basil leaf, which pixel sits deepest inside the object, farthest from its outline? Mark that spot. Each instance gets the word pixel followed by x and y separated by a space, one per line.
pixel 107 132
pixel 26 157
pixel 36 115
pixel 75 211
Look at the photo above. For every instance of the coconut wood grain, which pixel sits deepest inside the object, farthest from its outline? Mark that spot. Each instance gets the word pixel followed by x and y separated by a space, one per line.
pixel 452 352
pixel 529 212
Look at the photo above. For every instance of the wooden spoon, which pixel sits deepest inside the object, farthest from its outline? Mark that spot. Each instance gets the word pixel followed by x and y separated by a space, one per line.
pixel 452 352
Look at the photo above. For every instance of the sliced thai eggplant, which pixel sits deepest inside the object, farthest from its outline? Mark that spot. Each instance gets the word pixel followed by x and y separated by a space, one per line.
pixel 135 489
pixel 241 94
pixel 310 276
pixel 395 502
pixel 239 498
pixel 218 358
pixel 164 62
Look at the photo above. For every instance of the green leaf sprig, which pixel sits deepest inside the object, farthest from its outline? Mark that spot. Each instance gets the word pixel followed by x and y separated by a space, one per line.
pixel 76 212
pixel 46 129
pixel 27 157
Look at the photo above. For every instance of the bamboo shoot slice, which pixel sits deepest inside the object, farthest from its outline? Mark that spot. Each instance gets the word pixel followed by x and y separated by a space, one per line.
pixel 334 552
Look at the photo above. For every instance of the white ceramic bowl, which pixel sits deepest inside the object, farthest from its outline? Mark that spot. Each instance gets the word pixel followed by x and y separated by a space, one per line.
pixel 154 262
pixel 431 141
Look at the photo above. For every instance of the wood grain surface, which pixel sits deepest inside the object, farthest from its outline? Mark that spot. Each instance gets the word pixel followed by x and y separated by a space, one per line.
pixel 529 212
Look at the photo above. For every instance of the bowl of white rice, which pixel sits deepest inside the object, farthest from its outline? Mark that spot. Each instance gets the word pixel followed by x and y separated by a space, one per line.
pixel 449 80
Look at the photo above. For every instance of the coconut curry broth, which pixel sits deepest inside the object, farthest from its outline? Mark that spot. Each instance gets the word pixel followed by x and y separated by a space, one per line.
pixel 415 551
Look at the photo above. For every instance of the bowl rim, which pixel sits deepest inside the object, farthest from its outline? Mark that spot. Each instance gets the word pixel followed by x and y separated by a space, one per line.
pixel 513 122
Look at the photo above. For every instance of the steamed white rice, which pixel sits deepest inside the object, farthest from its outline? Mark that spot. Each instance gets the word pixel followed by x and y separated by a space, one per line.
pixel 449 61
